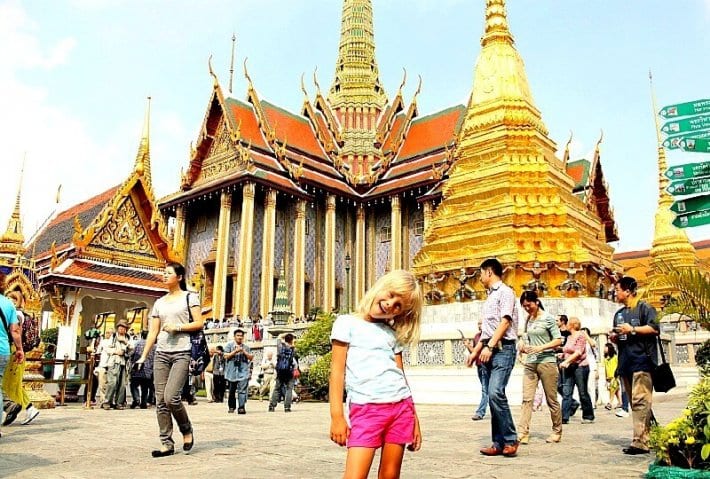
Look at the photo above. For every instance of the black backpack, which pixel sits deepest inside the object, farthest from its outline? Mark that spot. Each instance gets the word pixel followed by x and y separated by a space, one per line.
pixel 284 363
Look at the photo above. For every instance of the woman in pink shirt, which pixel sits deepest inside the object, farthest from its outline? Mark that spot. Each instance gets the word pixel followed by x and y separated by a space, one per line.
pixel 575 372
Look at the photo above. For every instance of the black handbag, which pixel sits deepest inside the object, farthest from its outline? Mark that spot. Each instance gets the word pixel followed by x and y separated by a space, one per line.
pixel 662 375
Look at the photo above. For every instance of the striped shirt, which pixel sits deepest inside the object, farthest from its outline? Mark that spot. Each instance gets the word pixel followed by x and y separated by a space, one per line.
pixel 500 301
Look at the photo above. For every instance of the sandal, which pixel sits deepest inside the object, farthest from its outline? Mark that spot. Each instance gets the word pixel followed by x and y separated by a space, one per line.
pixel 162 452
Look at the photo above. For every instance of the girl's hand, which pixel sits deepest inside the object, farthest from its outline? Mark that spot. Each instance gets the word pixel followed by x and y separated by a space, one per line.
pixel 471 359
pixel 417 440
pixel 564 364
pixel 170 328
pixel 339 431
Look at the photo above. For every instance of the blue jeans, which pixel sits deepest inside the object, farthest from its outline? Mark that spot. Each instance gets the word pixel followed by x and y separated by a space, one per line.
pixel 483 377
pixel 499 368
pixel 240 388
pixel 578 376
pixel 4 360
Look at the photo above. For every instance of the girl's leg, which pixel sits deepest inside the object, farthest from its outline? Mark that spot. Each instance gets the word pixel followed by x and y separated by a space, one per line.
pixel 391 461
pixel 359 461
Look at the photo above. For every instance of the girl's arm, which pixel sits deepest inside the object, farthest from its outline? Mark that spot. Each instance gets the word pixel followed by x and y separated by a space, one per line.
pixel 153 331
pixel 339 430
pixel 417 440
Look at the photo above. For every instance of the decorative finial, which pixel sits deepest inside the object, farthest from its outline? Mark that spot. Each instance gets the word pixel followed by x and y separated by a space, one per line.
pixel 142 167
pixel 231 65
pixel 404 80
pixel 565 159
pixel 303 85
pixel 315 79
pixel 496 23
pixel 419 87
pixel 246 72
pixel 212 73
pixel 601 137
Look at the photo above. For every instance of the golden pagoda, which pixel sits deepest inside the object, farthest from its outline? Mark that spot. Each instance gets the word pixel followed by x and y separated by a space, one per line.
pixel 671 246
pixel 508 196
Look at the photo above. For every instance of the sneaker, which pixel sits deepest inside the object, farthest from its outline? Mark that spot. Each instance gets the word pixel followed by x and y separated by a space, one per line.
pixel 11 414
pixel 271 409
pixel 241 410
pixel 231 411
pixel 621 413
pixel 608 406
pixel 587 421
pixel 476 417
pixel 32 413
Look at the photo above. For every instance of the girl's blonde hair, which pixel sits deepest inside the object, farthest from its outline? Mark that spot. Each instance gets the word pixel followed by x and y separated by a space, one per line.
pixel 402 283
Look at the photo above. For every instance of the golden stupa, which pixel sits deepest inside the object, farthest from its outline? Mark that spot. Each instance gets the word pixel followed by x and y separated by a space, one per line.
pixel 508 196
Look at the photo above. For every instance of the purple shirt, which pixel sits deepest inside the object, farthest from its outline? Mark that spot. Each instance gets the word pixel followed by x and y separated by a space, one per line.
pixel 500 301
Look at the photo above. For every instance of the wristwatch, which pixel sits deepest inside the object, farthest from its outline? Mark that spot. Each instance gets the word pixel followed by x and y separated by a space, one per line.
pixel 633 331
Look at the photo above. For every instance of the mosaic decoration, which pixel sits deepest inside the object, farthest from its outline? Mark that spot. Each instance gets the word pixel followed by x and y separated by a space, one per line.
pixel 430 353
pixel 681 353
pixel 124 232
pixel 235 227
pixel 310 254
pixel 416 238
pixel 382 249
pixel 459 352
pixel 201 238
pixel 257 251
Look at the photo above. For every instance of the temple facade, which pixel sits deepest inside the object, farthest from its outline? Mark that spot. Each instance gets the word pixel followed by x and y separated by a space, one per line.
pixel 357 183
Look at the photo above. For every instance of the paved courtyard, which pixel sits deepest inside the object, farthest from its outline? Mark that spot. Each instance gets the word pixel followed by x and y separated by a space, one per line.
pixel 70 442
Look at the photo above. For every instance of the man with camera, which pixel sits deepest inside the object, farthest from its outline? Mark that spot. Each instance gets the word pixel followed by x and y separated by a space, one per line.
pixel 236 372
pixel 635 330
pixel 118 350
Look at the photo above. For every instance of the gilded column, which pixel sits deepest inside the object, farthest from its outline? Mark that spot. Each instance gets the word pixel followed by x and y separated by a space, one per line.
pixel 179 232
pixel 396 234
pixel 268 253
pixel 243 286
pixel 359 258
pixel 428 212
pixel 406 230
pixel 222 256
pixel 371 258
pixel 299 260
pixel 329 256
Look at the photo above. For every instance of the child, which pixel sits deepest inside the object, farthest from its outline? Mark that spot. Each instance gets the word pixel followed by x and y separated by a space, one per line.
pixel 368 346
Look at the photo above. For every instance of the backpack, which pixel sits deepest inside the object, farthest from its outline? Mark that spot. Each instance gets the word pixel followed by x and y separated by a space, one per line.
pixel 199 351
pixel 284 363
pixel 30 333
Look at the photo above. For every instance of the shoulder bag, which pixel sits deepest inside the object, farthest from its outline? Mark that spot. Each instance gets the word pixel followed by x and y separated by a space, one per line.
pixel 662 375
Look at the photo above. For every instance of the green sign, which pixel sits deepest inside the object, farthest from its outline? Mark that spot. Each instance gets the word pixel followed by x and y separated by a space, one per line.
pixel 694 123
pixel 690 170
pixel 696 203
pixel 699 218
pixel 689 187
pixel 697 145
pixel 696 107
pixel 673 142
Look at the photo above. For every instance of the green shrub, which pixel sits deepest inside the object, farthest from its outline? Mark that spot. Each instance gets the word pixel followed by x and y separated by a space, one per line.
pixel 685 441
pixel 702 358
pixel 49 336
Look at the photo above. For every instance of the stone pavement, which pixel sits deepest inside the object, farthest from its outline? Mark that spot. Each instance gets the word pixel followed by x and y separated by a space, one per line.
pixel 70 442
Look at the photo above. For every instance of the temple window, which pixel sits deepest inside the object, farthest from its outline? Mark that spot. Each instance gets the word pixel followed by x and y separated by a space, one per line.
pixel 419 227
pixel 385 234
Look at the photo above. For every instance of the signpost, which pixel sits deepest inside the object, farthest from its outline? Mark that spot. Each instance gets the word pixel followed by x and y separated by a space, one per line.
pixel 696 145
pixel 689 187
pixel 695 123
pixel 699 218
pixel 696 203
pixel 673 142
pixel 690 170
pixel 696 107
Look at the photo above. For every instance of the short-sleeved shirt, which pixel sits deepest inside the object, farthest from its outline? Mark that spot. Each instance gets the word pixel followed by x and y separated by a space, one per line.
pixel 500 301
pixel 371 373
pixel 541 331
pixel 637 352
pixel 173 310
pixel 577 345
pixel 8 309
pixel 236 368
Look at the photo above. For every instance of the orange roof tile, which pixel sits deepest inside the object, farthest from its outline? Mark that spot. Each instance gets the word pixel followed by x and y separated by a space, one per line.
pixel 394 133
pixel 107 277
pixel 294 129
pixel 432 132
pixel 245 118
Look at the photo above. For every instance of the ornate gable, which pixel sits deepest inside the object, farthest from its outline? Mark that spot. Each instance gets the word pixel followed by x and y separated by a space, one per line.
pixel 124 232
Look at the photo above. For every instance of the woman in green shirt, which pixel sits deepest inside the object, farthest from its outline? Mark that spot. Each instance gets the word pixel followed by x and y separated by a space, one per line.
pixel 541 338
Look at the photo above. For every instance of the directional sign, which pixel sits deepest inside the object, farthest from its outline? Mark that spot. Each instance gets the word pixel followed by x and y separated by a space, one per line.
pixel 694 123
pixel 696 107
pixel 689 220
pixel 696 145
pixel 696 203
pixel 690 170
pixel 673 142
pixel 689 187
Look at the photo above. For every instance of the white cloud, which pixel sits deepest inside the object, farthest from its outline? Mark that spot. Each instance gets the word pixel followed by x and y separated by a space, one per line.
pixel 58 146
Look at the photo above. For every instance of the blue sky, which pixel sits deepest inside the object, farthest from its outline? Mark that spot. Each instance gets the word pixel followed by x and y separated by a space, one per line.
pixel 74 76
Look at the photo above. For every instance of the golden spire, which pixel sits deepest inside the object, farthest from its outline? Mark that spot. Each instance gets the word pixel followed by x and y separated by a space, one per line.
pixel 501 93
pixel 231 65
pixel 142 166
pixel 671 246
pixel 357 82
pixel 13 239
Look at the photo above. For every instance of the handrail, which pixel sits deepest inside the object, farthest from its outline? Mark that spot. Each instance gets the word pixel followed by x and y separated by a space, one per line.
pixel 66 364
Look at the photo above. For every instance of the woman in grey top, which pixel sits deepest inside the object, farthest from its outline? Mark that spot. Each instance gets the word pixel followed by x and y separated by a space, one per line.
pixel 171 324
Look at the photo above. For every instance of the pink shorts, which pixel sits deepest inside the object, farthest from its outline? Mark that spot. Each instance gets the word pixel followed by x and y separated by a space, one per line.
pixel 373 425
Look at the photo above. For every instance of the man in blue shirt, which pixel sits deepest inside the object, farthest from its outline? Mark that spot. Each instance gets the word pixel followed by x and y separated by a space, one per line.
pixel 236 371
pixel 8 329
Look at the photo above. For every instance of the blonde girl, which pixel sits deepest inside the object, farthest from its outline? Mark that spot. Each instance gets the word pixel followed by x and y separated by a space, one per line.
pixel 367 363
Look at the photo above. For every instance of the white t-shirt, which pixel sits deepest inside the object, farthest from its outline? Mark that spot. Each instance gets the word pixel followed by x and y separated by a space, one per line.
pixel 171 310
pixel 371 373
